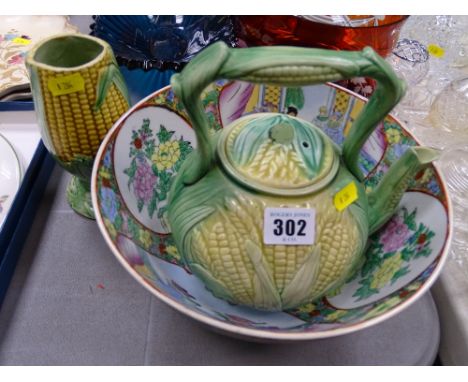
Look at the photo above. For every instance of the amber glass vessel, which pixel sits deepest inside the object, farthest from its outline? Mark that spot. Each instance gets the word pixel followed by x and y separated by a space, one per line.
pixel 331 32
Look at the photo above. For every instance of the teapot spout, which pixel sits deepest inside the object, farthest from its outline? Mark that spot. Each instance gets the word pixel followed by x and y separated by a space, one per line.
pixel 384 200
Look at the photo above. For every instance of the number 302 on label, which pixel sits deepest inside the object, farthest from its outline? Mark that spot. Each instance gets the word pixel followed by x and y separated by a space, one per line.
pixel 289 226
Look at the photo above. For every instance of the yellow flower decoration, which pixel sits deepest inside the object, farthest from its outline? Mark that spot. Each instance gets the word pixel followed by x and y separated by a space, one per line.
pixel 426 176
pixel 306 308
pixel 393 135
pixel 167 155
pixel 413 286
pixel 145 238
pixel 104 173
pixel 336 315
pixel 144 271
pixel 110 228
pixel 172 250
pixel 385 273
pixel 160 98
pixel 382 308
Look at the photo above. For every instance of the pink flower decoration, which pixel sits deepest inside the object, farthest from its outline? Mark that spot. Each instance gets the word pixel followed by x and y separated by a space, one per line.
pixel 395 234
pixel 211 108
pixel 144 181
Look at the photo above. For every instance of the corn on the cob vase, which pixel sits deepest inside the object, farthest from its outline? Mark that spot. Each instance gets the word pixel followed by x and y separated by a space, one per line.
pixel 218 201
pixel 79 93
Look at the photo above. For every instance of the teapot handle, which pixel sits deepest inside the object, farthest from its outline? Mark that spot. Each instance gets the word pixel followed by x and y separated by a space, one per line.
pixel 285 66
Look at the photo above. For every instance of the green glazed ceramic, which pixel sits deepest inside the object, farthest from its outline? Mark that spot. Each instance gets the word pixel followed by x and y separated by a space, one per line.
pixel 236 203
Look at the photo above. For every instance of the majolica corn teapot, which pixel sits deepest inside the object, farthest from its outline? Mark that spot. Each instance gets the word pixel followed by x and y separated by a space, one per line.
pixel 269 212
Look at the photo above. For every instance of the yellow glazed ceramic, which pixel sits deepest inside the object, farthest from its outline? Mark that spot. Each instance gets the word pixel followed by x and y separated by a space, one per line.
pixel 78 94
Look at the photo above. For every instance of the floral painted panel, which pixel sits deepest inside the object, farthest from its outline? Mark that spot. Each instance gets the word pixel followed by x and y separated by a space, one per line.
pixel 152 145
pixel 391 251
pixel 155 158
pixel 398 252
pixel 118 219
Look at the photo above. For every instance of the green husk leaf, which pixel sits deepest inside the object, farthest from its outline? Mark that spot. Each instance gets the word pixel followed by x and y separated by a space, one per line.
pixel 107 76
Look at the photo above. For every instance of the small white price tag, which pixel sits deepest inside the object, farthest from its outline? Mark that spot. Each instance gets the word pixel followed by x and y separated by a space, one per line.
pixel 289 226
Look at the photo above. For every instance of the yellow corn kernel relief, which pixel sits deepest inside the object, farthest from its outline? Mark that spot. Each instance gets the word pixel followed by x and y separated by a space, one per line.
pixel 74 127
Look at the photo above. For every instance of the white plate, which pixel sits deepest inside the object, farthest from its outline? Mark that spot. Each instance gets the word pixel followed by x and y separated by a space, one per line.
pixel 10 177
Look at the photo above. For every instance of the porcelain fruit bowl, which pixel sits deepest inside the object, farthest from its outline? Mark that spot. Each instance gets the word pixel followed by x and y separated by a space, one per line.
pixel 143 152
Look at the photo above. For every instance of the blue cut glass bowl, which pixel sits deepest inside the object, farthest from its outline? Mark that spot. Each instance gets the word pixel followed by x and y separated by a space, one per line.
pixel 161 42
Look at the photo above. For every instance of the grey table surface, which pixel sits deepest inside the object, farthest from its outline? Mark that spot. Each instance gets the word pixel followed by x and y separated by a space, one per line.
pixel 71 303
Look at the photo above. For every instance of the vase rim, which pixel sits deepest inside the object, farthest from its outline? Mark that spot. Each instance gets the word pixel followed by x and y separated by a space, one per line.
pixel 31 60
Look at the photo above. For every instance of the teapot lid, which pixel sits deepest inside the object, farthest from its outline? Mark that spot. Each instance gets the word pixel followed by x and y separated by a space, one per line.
pixel 278 154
